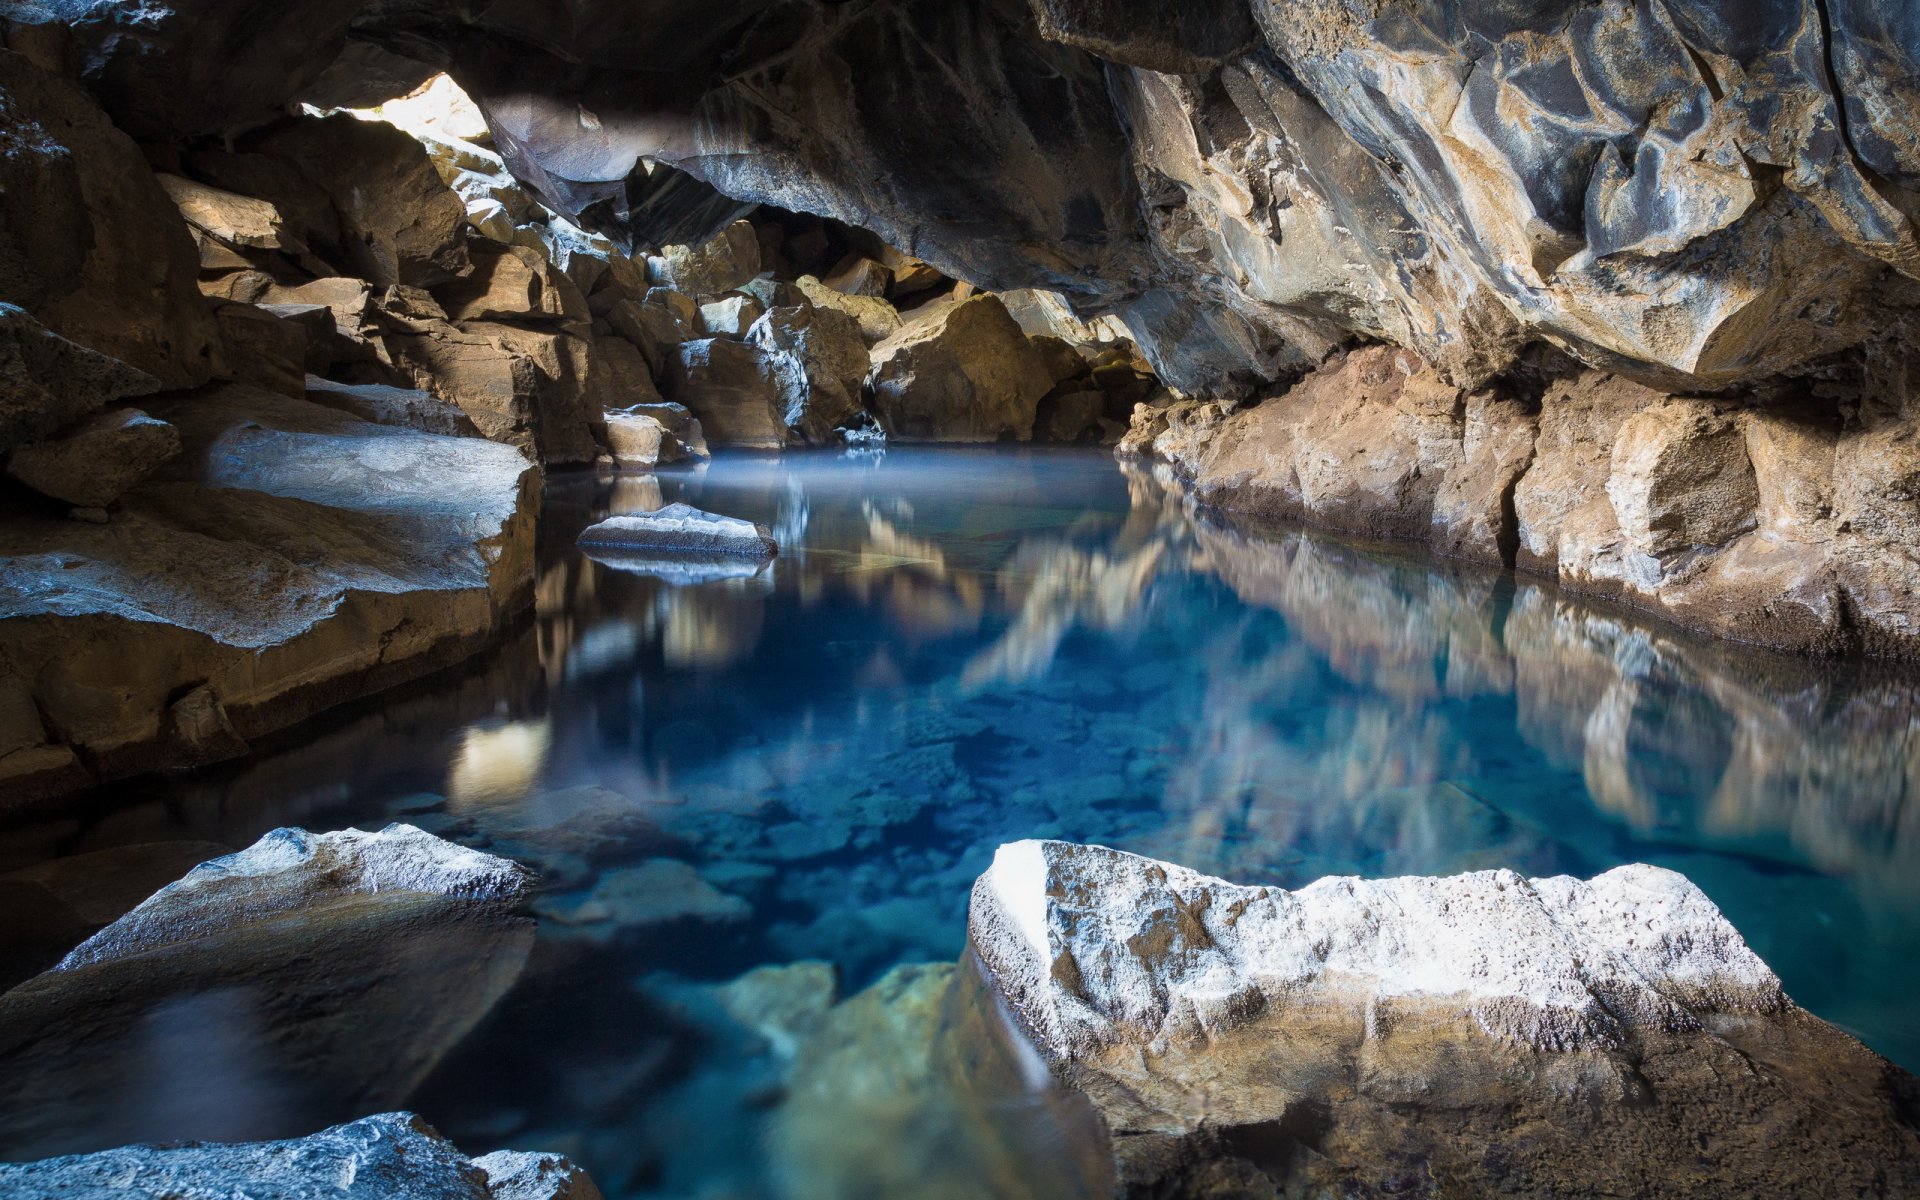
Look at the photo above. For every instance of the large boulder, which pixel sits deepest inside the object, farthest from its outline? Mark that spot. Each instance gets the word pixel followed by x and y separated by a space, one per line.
pixel 819 363
pixel 369 955
pixel 1606 1035
pixel 729 386
pixel 512 283
pixel 878 319
pixel 291 557
pixel 374 1158
pixel 959 372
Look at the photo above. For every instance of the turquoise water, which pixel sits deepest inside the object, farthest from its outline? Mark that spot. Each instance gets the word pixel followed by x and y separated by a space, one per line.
pixel 957 649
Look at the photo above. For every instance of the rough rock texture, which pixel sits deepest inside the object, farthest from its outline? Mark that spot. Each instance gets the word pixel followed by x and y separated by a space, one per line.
pixel 374 1158
pixel 1769 522
pixel 91 464
pixel 729 386
pixel 960 372
pixel 89 243
pixel 1608 1036
pixel 681 528
pixel 636 439
pixel 368 956
pixel 818 362
pixel 291 556
pixel 47 382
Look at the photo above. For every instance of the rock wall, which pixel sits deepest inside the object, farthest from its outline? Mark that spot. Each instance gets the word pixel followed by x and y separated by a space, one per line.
pixel 1768 518
pixel 1695 197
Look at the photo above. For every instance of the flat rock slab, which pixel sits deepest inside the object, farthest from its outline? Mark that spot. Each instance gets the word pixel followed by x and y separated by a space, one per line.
pixel 374 1158
pixel 681 529
pixel 1512 1036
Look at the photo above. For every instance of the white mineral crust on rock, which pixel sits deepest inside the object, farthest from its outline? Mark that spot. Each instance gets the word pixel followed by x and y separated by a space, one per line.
pixel 1095 947
pixel 290 869
pixel 682 528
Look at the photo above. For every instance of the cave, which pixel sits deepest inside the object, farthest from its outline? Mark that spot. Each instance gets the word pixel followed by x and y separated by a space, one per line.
pixel 1045 599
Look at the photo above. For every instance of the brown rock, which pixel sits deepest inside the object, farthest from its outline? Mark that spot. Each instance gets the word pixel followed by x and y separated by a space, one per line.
pixel 89 243
pixel 958 373
pixel 1580 420
pixel 728 386
pixel 723 264
pixel 636 439
pixel 95 462
pixel 242 222
pixel 511 283
pixel 1073 416
pixel 657 324
pixel 266 350
pixel 292 556
pixel 529 387
pixel 399 222
pixel 857 276
pixel 1681 479
pixel 878 319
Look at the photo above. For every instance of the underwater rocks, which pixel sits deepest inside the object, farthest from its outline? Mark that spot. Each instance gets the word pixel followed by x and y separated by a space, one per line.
pixel 374 1158
pixel 681 529
pixel 1511 1036
pixel 307 969
pixel 291 556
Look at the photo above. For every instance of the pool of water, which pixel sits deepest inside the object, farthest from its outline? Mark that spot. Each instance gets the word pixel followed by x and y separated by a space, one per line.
pixel 760 796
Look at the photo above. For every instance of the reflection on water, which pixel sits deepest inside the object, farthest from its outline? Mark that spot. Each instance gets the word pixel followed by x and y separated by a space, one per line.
pixel 752 797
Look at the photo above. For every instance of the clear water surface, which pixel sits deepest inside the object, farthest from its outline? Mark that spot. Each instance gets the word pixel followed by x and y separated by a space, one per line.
pixel 754 798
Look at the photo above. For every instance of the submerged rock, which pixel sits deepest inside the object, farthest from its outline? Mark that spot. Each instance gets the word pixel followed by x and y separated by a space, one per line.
pixel 682 528
pixel 1514 1036
pixel 382 1157
pixel 307 971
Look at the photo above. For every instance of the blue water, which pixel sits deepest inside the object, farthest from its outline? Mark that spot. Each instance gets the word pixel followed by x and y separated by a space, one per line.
pixel 957 649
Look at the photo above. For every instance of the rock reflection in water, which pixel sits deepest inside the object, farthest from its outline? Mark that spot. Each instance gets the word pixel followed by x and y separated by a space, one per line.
pixel 801 772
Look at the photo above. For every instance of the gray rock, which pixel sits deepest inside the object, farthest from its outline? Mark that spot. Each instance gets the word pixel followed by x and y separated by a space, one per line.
pixel 92 464
pixel 730 315
pixel 521 1175
pixel 818 361
pixel 382 1157
pixel 291 871
pixel 682 528
pixel 47 382
pixel 367 955
pixel 384 405
pixel 1420 1016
